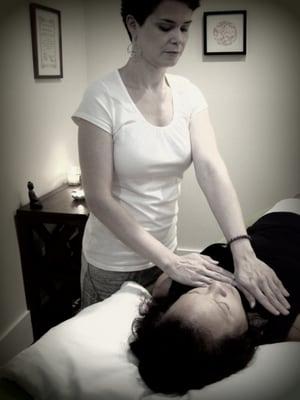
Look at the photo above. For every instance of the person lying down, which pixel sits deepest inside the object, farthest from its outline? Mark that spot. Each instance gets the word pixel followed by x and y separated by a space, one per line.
pixel 186 338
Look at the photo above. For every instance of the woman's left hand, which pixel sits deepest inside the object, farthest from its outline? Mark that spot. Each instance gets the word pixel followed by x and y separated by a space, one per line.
pixel 258 281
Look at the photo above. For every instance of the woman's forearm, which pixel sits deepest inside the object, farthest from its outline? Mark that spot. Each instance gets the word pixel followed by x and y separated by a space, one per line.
pixel 214 180
pixel 254 277
pixel 222 198
pixel 131 233
pixel 96 156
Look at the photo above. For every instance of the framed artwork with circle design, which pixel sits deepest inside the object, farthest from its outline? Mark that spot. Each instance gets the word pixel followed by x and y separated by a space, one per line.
pixel 225 32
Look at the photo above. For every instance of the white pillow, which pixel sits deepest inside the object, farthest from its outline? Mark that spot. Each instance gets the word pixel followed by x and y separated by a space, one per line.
pixel 87 358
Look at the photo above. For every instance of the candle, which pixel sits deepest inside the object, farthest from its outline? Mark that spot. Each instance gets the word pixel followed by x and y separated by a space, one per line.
pixel 73 176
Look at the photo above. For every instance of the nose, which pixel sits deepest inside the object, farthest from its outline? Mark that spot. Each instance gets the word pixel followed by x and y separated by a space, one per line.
pixel 218 288
pixel 177 37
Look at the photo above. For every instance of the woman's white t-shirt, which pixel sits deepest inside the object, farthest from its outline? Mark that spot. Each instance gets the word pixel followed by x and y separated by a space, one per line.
pixel 149 162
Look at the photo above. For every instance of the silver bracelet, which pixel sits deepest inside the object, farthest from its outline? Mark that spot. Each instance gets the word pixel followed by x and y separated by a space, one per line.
pixel 234 239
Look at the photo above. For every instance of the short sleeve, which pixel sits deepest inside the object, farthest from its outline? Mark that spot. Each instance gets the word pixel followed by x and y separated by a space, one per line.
pixel 197 99
pixel 96 107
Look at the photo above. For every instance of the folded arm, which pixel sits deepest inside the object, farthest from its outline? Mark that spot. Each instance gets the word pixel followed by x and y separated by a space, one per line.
pixel 162 286
pixel 294 332
pixel 253 277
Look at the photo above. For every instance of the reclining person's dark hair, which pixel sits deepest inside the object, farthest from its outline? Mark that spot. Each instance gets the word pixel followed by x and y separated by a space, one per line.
pixel 175 356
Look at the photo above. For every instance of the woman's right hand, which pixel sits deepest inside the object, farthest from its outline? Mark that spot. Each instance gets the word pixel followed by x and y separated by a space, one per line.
pixel 195 269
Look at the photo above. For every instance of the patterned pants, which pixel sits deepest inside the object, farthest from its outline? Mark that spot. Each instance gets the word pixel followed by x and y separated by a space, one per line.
pixel 98 284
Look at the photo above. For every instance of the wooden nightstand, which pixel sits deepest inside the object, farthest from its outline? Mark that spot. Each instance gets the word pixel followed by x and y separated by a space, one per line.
pixel 50 248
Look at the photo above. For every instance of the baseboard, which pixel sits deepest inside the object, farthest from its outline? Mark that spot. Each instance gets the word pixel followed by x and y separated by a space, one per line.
pixel 16 338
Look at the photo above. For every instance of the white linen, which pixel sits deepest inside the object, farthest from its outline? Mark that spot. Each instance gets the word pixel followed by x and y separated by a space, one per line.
pixel 87 358
pixel 286 205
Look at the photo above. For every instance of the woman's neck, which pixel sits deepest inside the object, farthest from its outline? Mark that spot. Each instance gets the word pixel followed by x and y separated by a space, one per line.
pixel 139 76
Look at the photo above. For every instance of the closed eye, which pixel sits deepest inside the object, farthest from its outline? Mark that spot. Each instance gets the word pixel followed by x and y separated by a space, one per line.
pixel 185 28
pixel 166 27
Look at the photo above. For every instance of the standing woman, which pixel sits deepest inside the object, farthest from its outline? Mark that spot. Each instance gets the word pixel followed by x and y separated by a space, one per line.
pixel 139 130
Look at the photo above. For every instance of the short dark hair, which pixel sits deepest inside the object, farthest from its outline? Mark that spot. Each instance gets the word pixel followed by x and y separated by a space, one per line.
pixel 141 9
pixel 174 356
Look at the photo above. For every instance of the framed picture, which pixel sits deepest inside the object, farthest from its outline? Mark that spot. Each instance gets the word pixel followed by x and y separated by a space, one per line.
pixel 46 42
pixel 225 32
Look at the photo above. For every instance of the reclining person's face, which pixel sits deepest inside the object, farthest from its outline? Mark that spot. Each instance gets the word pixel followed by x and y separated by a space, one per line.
pixel 217 308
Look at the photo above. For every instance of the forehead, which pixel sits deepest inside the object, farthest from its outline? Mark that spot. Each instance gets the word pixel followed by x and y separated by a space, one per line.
pixel 194 306
pixel 204 315
pixel 204 312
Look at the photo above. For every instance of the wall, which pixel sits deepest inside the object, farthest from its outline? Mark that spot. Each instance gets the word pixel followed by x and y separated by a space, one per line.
pixel 253 103
pixel 38 142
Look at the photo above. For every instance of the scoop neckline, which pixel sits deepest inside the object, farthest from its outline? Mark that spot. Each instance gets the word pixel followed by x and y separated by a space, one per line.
pixel 139 111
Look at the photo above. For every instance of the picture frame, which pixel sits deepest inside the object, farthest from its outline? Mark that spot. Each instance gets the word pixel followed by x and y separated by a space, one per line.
pixel 225 32
pixel 46 42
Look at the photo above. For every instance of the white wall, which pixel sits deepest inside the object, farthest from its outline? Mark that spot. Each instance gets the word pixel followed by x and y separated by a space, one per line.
pixel 38 139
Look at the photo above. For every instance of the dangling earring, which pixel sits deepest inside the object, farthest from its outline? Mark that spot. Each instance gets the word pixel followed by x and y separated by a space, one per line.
pixel 130 49
pixel 133 50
